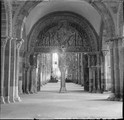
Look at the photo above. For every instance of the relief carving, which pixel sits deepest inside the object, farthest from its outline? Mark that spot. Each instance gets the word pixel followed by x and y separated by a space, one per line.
pixel 63 34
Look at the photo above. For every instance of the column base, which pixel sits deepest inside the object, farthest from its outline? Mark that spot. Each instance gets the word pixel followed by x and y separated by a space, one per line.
pixel 93 91
pixel 27 92
pixel 2 100
pixel 98 91
pixel 63 90
pixel 31 92
pixel 17 99
pixel 7 99
pixel 12 100
pixel 90 91
pixel 113 97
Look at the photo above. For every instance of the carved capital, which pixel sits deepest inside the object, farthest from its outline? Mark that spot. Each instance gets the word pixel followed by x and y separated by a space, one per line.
pixel 19 43
pixel 104 52
pixel 4 41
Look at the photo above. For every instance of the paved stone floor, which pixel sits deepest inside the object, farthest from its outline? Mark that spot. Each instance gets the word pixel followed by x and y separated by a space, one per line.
pixel 75 104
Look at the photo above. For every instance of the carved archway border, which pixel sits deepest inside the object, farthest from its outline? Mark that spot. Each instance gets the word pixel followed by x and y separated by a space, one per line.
pixel 54 18
pixel 29 5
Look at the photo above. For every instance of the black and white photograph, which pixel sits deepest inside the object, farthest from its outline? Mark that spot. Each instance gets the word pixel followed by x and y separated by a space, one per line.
pixel 62 59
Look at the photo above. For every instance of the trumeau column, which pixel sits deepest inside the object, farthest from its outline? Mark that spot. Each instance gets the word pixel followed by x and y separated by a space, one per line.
pixel 18 46
pixel 7 70
pixel 3 41
pixel 62 66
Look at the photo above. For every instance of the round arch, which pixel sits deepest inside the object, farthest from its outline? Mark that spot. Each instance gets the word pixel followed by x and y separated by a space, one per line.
pixel 73 20
pixel 29 5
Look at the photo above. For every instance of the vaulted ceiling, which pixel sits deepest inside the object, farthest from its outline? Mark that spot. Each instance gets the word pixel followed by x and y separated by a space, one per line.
pixel 80 7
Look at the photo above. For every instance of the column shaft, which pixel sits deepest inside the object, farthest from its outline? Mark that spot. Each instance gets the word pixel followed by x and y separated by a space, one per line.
pixel 112 70
pixel 121 66
pixel 82 70
pixel 102 75
pixel 31 80
pixel 116 70
pixel 7 70
pixel 98 72
pixel 78 67
pixel 2 70
pixel 94 79
pixel 28 79
pixel 13 69
pixel 18 45
pixel 63 67
pixel 17 98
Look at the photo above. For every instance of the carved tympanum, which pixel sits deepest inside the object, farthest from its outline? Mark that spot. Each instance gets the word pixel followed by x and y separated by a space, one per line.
pixel 63 34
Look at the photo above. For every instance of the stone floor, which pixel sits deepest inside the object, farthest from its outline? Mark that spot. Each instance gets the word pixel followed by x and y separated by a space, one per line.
pixel 75 104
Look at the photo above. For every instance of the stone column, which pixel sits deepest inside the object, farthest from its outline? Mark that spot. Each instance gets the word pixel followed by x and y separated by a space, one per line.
pixel 94 79
pixel 24 77
pixel 62 65
pixel 82 70
pixel 121 65
pixel 116 71
pixel 102 86
pixel 18 46
pixel 45 70
pixel 111 97
pixel 3 45
pixel 103 81
pixel 7 70
pixel 31 79
pixel 28 68
pixel 13 69
pixel 78 68
pixel 74 68
pixel 90 80
pixel 98 72
pixel 90 74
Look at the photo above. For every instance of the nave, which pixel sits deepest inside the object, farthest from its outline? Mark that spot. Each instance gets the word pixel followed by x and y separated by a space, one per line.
pixel 88 38
pixel 74 104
